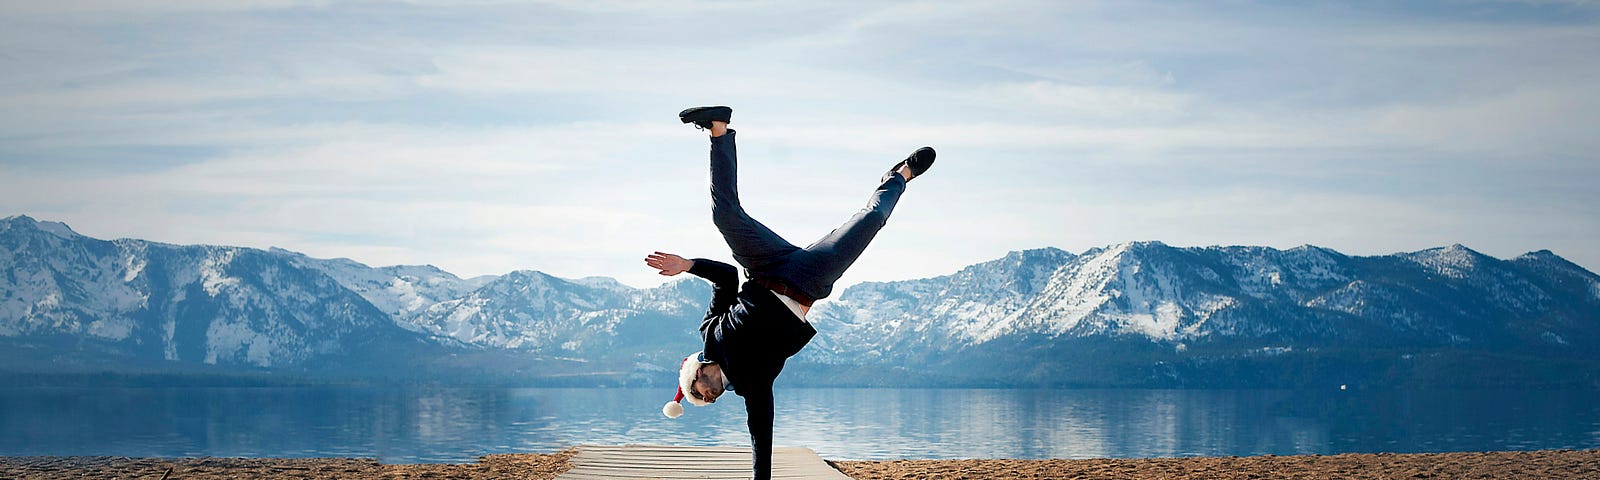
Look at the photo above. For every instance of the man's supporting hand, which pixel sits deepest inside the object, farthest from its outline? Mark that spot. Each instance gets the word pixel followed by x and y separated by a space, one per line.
pixel 668 264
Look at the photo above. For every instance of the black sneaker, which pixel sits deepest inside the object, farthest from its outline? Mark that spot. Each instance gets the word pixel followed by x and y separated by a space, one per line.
pixel 920 161
pixel 702 116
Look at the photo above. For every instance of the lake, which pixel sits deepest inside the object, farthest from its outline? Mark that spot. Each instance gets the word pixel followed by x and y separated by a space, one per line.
pixel 436 424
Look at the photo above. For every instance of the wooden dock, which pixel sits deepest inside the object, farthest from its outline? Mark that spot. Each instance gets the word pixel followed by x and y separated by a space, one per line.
pixel 594 462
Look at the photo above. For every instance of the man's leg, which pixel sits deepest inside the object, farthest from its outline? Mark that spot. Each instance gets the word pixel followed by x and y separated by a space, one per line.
pixel 754 246
pixel 815 270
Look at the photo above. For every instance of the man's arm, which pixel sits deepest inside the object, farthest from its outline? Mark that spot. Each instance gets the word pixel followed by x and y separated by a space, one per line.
pixel 720 274
pixel 667 263
pixel 759 405
pixel 724 278
pixel 724 282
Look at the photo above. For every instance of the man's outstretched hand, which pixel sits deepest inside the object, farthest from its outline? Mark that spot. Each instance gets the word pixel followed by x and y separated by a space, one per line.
pixel 668 264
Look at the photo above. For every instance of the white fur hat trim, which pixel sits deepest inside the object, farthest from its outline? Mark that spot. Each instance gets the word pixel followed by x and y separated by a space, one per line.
pixel 686 374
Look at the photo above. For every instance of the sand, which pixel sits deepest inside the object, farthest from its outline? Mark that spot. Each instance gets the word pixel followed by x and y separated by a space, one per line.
pixel 519 466
pixel 1550 464
pixel 1494 465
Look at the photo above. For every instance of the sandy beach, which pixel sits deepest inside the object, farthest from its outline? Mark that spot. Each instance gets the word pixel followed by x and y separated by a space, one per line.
pixel 1492 465
pixel 520 466
pixel 1549 464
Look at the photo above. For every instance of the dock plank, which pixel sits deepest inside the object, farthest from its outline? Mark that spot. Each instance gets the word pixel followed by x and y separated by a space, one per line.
pixel 596 462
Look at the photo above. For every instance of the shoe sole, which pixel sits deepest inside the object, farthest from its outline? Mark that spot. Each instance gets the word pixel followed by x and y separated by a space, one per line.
pixel 706 114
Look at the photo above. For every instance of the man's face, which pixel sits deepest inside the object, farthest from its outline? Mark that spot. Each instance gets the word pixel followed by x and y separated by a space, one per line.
pixel 708 383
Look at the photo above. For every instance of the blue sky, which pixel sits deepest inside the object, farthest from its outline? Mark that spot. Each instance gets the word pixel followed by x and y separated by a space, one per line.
pixel 485 137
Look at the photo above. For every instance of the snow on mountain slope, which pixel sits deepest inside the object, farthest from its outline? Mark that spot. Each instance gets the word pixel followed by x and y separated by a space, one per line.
pixel 200 304
pixel 61 292
pixel 1128 289
pixel 973 303
pixel 1289 275
pixel 523 310
pixel 1115 292
pixel 1048 310
pixel 1148 290
pixel 1504 285
pixel 227 305
pixel 534 311
pixel 403 291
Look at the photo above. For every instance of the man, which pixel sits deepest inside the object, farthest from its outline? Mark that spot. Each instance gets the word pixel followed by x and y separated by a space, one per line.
pixel 751 329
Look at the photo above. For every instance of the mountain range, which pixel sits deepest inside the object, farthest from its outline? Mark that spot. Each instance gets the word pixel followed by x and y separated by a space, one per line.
pixel 1133 314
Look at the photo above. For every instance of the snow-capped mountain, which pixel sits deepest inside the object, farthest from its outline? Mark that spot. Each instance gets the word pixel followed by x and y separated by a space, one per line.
pixel 523 310
pixel 1156 305
pixel 68 299
pixel 1130 314
pixel 72 298
pixel 532 310
pixel 401 291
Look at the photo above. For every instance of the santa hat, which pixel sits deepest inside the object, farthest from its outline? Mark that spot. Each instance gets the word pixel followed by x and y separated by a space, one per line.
pixel 686 375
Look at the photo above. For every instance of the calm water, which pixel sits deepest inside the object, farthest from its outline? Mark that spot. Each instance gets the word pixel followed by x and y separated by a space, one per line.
pixel 400 425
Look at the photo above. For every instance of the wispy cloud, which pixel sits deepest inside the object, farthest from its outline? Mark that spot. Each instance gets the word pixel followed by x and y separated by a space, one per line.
pixel 490 136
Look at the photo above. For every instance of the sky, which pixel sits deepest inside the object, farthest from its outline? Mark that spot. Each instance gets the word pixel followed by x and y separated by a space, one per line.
pixel 484 137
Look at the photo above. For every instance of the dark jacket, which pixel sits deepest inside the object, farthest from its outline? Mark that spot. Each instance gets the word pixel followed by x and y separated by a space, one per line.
pixel 750 333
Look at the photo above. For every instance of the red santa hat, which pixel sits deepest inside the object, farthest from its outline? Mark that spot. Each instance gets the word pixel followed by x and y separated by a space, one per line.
pixel 687 371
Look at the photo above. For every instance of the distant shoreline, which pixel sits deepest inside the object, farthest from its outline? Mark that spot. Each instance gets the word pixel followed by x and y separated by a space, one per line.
pixel 803 380
pixel 1461 465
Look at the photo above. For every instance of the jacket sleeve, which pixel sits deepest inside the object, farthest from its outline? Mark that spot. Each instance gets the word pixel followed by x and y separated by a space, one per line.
pixel 724 284
pixel 758 405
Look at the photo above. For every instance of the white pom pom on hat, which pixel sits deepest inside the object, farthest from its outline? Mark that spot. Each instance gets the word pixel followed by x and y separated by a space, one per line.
pixel 673 409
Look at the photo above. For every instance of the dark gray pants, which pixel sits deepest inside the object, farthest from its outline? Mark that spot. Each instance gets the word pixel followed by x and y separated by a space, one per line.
pixel 811 270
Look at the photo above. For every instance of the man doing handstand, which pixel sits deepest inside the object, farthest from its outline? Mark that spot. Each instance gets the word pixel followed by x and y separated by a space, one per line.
pixel 751 329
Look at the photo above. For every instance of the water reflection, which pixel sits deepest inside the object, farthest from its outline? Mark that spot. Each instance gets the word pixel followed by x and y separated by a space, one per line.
pixel 459 424
pixel 885 424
